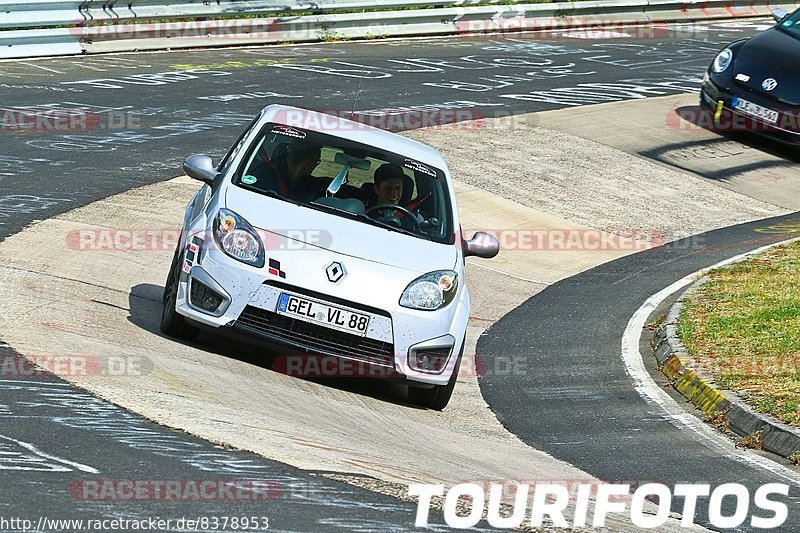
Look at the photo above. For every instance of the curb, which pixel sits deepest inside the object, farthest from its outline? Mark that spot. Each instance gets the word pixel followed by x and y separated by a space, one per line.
pixel 698 387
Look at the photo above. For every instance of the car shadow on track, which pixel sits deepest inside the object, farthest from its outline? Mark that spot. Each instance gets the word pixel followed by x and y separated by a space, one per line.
pixel 145 305
pixel 738 129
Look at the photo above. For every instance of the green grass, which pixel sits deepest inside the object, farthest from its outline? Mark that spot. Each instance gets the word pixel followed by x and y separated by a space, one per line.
pixel 743 326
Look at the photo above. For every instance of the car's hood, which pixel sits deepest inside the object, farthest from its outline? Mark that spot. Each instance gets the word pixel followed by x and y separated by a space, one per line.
pixel 771 54
pixel 338 234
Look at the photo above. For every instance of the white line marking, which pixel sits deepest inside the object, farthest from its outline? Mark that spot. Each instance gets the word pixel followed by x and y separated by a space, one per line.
pixel 476 265
pixel 88 66
pixel 31 382
pixel 652 392
pixel 41 67
pixel 35 450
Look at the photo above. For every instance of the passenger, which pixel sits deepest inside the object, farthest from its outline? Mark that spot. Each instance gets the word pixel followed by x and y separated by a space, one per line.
pixel 289 173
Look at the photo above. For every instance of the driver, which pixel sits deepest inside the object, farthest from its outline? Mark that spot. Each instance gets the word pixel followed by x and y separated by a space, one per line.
pixel 389 183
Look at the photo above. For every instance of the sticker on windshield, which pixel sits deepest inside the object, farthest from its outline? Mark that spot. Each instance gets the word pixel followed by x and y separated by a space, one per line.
pixel 418 167
pixel 788 23
pixel 249 180
pixel 289 132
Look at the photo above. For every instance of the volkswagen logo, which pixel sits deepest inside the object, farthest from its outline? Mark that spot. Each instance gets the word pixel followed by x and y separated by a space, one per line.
pixel 335 271
pixel 769 84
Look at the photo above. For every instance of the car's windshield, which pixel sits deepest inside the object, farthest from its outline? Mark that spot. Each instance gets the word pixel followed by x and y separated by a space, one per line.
pixel 791 24
pixel 352 180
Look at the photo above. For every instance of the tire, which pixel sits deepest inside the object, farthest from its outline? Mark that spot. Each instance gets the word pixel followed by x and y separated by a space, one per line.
pixel 438 396
pixel 173 269
pixel 702 101
pixel 172 322
pixel 705 107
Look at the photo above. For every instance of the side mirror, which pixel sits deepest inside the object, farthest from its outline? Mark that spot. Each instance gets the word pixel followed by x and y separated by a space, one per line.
pixel 481 245
pixel 200 167
pixel 779 14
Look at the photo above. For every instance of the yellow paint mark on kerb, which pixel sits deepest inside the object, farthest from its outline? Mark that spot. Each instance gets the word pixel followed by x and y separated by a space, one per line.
pixel 693 387
pixel 787 226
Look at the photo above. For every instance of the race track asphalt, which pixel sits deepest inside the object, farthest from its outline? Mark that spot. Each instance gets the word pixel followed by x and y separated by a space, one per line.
pixel 573 397
pixel 148 111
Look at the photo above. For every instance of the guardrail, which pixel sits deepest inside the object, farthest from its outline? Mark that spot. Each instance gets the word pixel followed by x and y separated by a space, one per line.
pixel 109 26
pixel 36 13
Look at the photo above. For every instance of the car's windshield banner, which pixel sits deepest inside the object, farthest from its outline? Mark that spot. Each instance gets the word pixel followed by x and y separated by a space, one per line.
pixel 419 167
pixel 289 132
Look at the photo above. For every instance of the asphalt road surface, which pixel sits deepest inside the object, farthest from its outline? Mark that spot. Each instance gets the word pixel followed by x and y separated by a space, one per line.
pixel 571 332
pixel 130 121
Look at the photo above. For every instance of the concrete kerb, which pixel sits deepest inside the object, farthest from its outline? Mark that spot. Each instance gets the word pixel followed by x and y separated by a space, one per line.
pixel 696 385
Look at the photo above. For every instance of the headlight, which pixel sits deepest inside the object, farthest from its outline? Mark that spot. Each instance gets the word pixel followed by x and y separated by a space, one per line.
pixel 431 291
pixel 722 61
pixel 237 238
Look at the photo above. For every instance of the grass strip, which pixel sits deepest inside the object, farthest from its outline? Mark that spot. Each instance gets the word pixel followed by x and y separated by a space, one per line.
pixel 743 327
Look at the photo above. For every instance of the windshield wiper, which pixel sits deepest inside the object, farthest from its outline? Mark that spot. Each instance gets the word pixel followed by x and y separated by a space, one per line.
pixel 270 193
pixel 362 218
pixel 369 220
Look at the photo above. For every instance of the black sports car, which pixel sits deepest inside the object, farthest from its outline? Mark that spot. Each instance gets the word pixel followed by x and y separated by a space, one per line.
pixel 754 84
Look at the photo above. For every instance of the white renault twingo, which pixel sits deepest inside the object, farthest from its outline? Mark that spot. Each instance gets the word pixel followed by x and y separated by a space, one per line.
pixel 322 237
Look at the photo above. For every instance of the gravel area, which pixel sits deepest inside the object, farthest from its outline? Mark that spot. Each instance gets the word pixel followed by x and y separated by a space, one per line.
pixel 588 182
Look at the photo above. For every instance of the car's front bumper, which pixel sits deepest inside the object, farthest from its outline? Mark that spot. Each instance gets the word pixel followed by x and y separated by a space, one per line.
pixel 728 119
pixel 250 301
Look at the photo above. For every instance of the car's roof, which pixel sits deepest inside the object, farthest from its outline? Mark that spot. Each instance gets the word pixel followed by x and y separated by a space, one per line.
pixel 354 131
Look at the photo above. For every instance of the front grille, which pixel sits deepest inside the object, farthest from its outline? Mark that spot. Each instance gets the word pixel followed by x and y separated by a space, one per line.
pixel 316 338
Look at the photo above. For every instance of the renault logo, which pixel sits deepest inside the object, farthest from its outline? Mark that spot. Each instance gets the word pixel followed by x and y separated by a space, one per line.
pixel 769 84
pixel 335 271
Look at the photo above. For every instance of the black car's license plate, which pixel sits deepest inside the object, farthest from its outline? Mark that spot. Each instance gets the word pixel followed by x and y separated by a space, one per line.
pixel 755 110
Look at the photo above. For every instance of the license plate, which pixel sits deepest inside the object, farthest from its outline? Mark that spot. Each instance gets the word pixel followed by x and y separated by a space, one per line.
pixel 323 314
pixel 755 110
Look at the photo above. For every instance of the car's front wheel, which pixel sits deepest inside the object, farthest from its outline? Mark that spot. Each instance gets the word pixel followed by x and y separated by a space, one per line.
pixel 172 322
pixel 438 396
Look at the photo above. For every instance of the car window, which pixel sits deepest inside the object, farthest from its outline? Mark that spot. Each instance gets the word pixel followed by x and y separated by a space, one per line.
pixel 791 24
pixel 335 175
pixel 231 155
